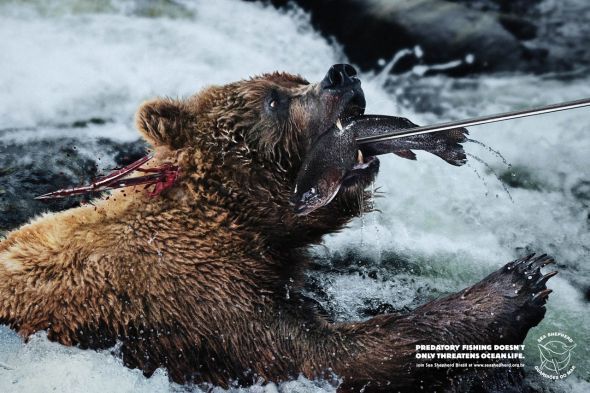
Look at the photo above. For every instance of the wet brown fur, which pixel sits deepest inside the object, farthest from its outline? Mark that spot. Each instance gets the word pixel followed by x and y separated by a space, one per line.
pixel 203 280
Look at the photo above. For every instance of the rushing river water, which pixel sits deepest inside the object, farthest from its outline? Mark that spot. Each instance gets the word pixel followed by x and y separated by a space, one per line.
pixel 437 229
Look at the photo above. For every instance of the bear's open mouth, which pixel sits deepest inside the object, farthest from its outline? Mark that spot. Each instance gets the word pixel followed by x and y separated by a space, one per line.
pixel 334 162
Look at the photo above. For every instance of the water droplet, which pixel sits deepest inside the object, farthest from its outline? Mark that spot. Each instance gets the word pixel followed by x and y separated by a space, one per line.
pixel 493 151
pixel 488 167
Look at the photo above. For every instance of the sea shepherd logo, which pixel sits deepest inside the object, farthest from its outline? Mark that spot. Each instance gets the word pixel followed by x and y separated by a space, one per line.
pixel 555 350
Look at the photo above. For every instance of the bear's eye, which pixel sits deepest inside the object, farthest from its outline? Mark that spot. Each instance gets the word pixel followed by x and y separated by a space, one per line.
pixel 276 102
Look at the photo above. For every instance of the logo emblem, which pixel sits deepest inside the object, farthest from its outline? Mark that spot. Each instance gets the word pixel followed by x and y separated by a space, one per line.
pixel 555 352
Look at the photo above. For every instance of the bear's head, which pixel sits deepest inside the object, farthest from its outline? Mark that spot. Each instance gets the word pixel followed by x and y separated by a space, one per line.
pixel 241 145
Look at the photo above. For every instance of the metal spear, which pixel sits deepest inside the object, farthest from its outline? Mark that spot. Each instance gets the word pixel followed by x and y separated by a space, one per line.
pixel 474 121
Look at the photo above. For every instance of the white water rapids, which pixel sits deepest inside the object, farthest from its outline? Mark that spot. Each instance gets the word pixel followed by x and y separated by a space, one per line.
pixel 450 227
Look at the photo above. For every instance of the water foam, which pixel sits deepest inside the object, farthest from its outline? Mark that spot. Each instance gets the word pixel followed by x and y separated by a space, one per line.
pixel 80 60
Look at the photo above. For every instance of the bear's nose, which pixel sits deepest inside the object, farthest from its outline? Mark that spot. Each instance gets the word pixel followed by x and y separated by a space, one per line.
pixel 338 76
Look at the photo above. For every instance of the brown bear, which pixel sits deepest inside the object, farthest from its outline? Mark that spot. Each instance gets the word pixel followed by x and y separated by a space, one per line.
pixel 195 280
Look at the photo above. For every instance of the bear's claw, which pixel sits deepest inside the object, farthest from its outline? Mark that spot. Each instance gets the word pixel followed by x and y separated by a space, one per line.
pixel 543 280
pixel 530 262
pixel 527 272
pixel 542 296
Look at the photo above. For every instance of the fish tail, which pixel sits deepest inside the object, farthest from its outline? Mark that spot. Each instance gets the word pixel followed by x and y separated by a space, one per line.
pixel 450 148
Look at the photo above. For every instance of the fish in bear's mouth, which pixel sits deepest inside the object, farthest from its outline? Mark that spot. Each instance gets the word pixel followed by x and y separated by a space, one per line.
pixel 335 161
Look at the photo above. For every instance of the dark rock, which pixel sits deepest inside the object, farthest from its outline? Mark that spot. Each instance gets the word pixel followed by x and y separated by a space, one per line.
pixel 49 166
pixel 519 27
pixel 516 7
pixel 86 123
pixel 457 37
pixel 41 166
pixel 372 30
pixel 123 153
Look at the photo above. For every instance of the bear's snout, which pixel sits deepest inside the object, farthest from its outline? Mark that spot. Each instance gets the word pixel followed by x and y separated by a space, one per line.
pixel 340 76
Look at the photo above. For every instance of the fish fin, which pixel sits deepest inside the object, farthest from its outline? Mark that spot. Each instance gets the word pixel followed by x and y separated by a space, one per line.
pixel 457 135
pixel 408 154
pixel 452 151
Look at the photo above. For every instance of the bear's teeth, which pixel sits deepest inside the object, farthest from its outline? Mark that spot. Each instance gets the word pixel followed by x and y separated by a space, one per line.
pixel 339 125
pixel 359 157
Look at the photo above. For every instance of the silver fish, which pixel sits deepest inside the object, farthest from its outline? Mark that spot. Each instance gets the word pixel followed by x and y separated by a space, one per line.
pixel 444 144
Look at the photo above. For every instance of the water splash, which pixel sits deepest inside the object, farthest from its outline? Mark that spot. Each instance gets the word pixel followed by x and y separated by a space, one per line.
pixel 6 366
pixel 362 217
pixel 375 222
pixel 485 183
pixel 489 168
pixel 384 75
pixel 493 151
pixel 128 77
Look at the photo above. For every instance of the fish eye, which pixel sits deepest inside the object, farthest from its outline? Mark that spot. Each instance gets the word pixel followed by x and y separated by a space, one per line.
pixel 310 195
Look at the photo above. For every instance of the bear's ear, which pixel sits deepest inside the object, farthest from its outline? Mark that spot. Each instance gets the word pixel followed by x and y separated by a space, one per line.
pixel 163 122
